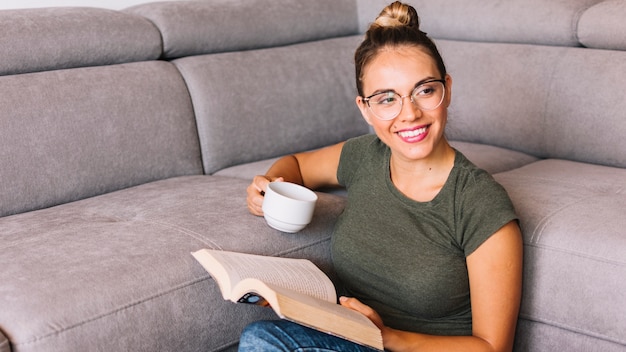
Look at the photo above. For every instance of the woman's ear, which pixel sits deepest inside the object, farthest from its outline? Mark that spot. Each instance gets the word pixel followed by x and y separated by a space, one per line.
pixel 363 107
pixel 448 90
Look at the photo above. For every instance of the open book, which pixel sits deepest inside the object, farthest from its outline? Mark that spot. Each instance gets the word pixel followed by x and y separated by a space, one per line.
pixel 296 289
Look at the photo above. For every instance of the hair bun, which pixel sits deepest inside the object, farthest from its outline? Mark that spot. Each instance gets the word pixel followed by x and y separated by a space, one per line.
pixel 397 14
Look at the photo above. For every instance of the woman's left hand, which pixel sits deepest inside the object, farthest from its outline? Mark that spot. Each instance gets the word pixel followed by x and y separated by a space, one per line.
pixel 355 304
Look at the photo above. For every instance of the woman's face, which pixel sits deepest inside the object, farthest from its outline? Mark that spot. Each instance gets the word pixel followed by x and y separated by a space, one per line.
pixel 413 134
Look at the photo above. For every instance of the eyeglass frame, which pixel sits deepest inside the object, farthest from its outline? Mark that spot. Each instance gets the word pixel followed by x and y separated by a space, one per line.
pixel 367 99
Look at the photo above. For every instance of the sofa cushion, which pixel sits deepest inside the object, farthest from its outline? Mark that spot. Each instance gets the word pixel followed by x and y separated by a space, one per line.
pixel 493 159
pixel 541 336
pixel 203 27
pixel 584 116
pixel 487 109
pixel 556 102
pixel 84 272
pixel 603 26
pixel 258 104
pixel 71 134
pixel 65 37
pixel 248 170
pixel 518 21
pixel 572 217
pixel 490 158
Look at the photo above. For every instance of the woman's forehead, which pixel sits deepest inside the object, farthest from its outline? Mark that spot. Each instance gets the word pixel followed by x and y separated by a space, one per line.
pixel 399 66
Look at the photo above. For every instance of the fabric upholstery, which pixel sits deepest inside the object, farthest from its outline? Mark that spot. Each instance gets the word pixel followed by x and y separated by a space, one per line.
pixel 584 116
pixel 121 262
pixel 64 37
pixel 272 109
pixel 537 336
pixel 247 170
pixel 71 134
pixel 507 112
pixel 603 26
pixel 519 21
pixel 544 106
pixel 572 218
pixel 104 156
pixel 203 27
pixel 493 159
pixel 487 157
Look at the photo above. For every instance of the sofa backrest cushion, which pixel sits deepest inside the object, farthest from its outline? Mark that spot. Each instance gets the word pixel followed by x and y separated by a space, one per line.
pixel 586 108
pixel 204 27
pixel 603 26
pixel 58 38
pixel 258 104
pixel 517 21
pixel 551 102
pixel 71 134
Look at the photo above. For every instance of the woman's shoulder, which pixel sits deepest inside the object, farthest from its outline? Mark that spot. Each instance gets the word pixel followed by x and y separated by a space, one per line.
pixel 471 176
pixel 364 140
pixel 359 156
pixel 364 145
pixel 464 165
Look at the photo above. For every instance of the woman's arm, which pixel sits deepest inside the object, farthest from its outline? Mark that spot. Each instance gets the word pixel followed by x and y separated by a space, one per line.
pixel 495 274
pixel 313 170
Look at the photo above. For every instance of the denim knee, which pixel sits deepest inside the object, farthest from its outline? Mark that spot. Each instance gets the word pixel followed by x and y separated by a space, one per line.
pixel 286 336
pixel 260 336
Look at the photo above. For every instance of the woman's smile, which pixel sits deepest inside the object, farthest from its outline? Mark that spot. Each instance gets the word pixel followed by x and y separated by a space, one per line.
pixel 414 134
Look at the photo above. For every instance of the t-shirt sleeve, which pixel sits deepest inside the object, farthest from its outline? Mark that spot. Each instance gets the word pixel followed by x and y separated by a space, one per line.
pixel 485 208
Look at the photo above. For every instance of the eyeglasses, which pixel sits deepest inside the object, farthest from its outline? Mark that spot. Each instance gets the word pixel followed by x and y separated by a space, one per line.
pixel 387 105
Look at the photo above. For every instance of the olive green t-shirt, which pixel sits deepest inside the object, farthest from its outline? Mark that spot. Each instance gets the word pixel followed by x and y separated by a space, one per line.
pixel 406 259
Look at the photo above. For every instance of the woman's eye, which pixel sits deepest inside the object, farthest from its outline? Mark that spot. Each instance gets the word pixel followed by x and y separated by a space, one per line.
pixel 385 98
pixel 425 90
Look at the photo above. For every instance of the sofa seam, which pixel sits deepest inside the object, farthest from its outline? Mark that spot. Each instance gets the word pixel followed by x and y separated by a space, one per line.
pixel 563 182
pixel 566 327
pixel 576 22
pixel 195 114
pixel 576 253
pixel 544 111
pixel 111 312
pixel 184 230
pixel 227 345
pixel 295 250
pixel 155 26
pixel 181 74
pixel 548 218
pixel 145 299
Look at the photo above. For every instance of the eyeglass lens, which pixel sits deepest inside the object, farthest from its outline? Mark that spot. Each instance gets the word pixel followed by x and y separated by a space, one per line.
pixel 388 105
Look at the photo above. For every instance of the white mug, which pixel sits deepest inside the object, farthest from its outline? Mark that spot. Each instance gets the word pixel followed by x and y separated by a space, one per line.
pixel 288 207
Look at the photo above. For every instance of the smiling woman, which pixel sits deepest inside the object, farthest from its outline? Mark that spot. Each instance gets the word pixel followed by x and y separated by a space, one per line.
pixel 423 226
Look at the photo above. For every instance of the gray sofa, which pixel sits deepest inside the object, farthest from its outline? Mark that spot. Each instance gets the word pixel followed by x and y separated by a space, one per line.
pixel 128 139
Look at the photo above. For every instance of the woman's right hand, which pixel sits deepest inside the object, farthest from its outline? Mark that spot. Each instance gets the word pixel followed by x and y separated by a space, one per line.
pixel 311 169
pixel 256 191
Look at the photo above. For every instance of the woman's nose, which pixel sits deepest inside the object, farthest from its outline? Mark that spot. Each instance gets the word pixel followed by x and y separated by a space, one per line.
pixel 410 111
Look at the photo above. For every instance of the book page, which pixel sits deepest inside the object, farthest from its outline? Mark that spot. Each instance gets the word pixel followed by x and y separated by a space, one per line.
pixel 295 288
pixel 300 275
pixel 326 316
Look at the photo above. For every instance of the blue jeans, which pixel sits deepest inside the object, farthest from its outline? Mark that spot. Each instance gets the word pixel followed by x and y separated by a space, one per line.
pixel 283 335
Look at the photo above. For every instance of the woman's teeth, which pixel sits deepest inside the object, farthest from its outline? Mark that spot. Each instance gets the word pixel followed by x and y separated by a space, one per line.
pixel 412 133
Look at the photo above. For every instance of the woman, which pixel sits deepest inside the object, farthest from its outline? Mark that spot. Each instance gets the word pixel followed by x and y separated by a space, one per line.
pixel 423 228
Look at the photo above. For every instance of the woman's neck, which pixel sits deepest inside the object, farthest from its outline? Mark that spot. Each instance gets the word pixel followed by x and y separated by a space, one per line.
pixel 421 180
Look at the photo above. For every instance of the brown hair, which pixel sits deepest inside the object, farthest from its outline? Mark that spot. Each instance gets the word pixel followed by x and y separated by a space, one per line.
pixel 397 24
